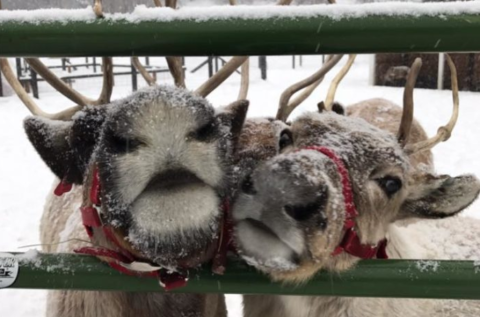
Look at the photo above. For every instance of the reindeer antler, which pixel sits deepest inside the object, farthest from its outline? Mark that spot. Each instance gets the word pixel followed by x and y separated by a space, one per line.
pixel 142 70
pixel 174 62
pixel 284 108
pixel 408 106
pixel 59 85
pixel 27 100
pixel 245 72
pixel 336 81
pixel 444 132
pixel 97 8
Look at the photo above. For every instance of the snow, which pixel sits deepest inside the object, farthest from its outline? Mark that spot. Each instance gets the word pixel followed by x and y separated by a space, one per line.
pixel 427 265
pixel 340 11
pixel 25 181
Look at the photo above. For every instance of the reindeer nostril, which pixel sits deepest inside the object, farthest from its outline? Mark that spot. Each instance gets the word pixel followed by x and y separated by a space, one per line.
pixel 247 186
pixel 302 212
pixel 307 211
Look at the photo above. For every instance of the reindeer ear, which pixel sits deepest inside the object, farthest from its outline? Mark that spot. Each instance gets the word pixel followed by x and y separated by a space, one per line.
pixel 337 107
pixel 440 196
pixel 50 139
pixel 66 146
pixel 234 116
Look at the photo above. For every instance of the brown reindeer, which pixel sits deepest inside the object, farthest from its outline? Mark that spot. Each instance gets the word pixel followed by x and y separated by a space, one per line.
pixel 330 200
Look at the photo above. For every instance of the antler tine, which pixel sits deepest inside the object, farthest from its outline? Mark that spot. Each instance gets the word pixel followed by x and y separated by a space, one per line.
pixel 97 8
pixel 171 3
pixel 174 62
pixel 175 66
pixel 216 80
pixel 444 132
pixel 245 72
pixel 245 80
pixel 57 83
pixel 307 91
pixel 220 76
pixel 336 81
pixel 408 104
pixel 141 69
pixel 27 100
pixel 284 108
pixel 107 86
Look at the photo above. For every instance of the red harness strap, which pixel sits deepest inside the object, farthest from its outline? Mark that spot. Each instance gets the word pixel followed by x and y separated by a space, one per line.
pixel 118 260
pixel 351 242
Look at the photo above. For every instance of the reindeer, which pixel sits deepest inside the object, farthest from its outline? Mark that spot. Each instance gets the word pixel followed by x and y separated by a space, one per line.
pixel 331 198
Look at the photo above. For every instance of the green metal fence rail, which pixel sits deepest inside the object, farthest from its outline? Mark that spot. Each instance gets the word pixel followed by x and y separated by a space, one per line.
pixel 371 278
pixel 246 36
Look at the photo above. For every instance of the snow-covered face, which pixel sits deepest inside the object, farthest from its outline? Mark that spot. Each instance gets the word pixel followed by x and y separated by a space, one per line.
pixel 290 216
pixel 163 157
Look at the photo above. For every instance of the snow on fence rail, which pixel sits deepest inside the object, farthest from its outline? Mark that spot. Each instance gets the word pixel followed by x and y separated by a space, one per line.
pixel 371 278
pixel 258 30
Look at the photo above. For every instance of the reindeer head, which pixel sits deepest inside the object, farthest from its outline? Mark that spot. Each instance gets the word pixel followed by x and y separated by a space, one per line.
pixel 163 156
pixel 294 209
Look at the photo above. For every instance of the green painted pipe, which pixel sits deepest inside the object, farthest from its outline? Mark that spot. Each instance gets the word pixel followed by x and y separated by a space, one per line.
pixel 242 36
pixel 371 278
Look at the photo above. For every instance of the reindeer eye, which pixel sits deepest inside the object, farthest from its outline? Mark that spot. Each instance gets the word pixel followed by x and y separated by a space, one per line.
pixel 205 133
pixel 286 139
pixel 247 186
pixel 390 184
pixel 124 145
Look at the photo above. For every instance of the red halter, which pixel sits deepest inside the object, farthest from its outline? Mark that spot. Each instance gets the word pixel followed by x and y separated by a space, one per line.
pixel 123 259
pixel 351 242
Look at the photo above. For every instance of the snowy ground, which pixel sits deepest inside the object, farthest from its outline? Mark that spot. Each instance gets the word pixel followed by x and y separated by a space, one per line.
pixel 25 180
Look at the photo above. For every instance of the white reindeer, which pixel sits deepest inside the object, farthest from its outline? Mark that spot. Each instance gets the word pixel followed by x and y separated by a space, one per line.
pixel 332 198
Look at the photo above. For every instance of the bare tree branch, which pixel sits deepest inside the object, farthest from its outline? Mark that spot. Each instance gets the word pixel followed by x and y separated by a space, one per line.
pixel 232 2
pixel 284 109
pixel 141 69
pixel 284 2
pixel 157 3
